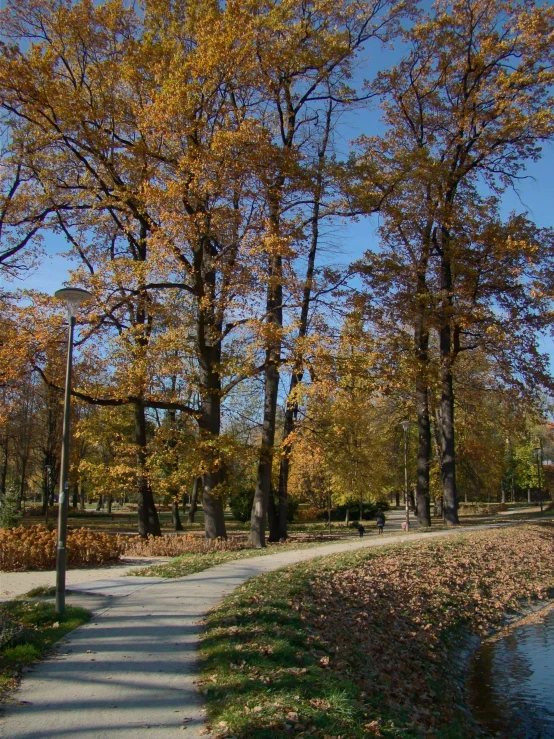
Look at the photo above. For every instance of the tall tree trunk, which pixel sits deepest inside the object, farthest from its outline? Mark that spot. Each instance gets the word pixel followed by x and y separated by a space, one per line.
pixel 22 483
pixel 447 358
pixel 273 517
pixel 291 410
pixel 173 463
pixel 448 458
pixel 175 517
pixel 423 452
pixel 4 473
pixel 265 464
pixel 209 337
pixel 45 493
pixel 212 504
pixel 194 498
pixel 148 521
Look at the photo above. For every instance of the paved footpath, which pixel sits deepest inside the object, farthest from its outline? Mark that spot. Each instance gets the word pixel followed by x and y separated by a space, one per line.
pixel 130 671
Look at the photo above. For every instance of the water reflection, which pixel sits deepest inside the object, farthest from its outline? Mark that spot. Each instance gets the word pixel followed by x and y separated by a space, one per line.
pixel 511 683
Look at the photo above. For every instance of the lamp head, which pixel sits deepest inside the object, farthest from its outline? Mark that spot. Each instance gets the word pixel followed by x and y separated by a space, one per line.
pixel 406 426
pixel 73 297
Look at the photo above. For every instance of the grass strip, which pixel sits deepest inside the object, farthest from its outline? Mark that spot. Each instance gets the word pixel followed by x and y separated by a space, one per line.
pixel 190 563
pixel 28 629
pixel 364 644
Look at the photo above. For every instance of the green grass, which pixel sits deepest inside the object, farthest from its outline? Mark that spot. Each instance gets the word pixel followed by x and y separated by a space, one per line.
pixel 188 564
pixel 264 675
pixel 268 671
pixel 42 591
pixel 28 629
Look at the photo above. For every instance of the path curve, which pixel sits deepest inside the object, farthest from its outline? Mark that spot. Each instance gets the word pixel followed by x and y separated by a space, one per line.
pixel 130 671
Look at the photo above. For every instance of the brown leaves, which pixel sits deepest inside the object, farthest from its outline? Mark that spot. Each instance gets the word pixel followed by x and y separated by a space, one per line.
pixel 385 620
pixel 34 548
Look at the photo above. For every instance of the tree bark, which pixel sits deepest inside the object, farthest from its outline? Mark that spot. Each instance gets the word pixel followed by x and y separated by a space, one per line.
pixel 274 319
pixel 177 525
pixel 448 459
pixel 212 505
pixel 148 521
pixel 273 517
pixel 265 464
pixel 447 358
pixel 194 498
pixel 291 410
pixel 4 473
pixel 209 337
pixel 424 431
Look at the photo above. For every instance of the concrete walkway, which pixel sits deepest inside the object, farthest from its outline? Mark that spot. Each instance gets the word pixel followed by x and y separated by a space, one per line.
pixel 130 671
pixel 13 584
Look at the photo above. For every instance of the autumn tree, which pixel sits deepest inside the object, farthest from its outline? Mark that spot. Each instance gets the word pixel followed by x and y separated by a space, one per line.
pixel 316 45
pixel 140 131
pixel 465 109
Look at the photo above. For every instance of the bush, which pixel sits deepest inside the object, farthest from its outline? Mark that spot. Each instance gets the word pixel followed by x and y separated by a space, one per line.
pixel 241 504
pixel 9 513
pixel 308 513
pixel 481 509
pixel 34 548
pixel 12 633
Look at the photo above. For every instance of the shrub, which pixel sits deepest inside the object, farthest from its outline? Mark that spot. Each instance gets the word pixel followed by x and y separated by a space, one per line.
pixel 9 512
pixel 34 548
pixel 11 632
pixel 241 504
pixel 308 513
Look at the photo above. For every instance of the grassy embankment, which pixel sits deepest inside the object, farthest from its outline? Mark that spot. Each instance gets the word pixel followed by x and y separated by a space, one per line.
pixel 363 644
pixel 28 629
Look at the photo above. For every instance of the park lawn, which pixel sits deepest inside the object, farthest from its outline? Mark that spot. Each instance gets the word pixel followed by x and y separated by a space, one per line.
pixel 190 563
pixel 368 643
pixel 28 629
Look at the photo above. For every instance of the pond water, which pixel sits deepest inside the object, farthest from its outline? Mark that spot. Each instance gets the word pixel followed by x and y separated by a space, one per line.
pixel 511 682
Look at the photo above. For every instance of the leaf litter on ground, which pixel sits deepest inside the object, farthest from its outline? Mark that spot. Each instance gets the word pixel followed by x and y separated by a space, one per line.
pixel 365 644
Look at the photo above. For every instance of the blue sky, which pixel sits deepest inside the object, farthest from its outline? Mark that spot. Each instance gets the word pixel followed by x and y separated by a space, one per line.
pixel 348 240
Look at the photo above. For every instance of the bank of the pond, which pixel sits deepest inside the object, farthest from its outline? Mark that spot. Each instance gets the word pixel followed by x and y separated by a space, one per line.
pixel 367 643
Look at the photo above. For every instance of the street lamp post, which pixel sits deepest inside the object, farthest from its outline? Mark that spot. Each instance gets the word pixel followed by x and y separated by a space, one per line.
pixel 48 469
pixel 73 297
pixel 538 455
pixel 406 427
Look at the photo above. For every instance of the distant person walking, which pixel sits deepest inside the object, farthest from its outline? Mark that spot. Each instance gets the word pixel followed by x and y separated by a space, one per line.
pixel 380 518
pixel 361 529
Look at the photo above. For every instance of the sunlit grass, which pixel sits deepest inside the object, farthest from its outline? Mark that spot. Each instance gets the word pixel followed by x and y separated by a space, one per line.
pixel 28 629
